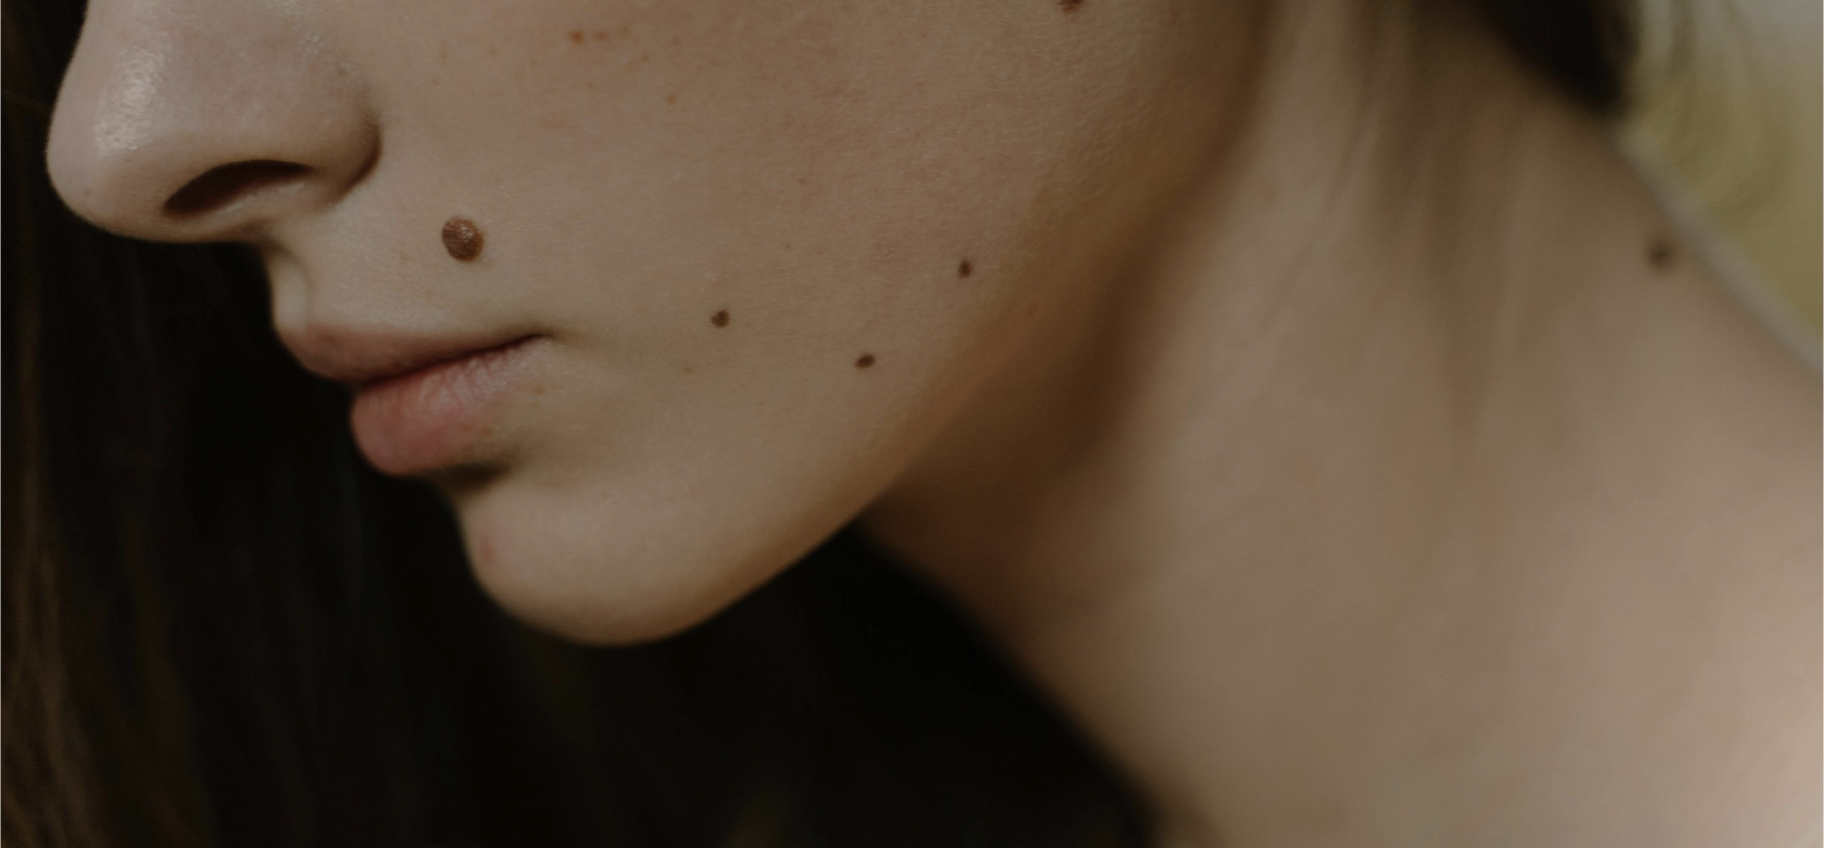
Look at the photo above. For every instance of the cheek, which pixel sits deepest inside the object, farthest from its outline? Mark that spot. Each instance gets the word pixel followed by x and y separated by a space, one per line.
pixel 838 142
pixel 773 250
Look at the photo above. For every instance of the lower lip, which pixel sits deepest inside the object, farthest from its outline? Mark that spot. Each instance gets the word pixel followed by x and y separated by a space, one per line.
pixel 432 417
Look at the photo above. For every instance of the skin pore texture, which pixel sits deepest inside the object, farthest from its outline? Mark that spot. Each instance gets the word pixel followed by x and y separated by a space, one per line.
pixel 1308 398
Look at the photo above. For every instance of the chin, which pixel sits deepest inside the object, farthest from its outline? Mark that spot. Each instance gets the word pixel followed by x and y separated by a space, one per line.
pixel 600 570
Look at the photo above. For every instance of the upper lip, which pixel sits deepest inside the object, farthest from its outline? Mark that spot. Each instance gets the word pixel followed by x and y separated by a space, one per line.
pixel 360 357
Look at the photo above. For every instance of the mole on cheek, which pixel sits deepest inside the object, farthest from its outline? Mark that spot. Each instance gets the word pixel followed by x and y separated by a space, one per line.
pixel 866 360
pixel 1069 5
pixel 462 239
pixel 719 319
pixel 1660 253
pixel 964 269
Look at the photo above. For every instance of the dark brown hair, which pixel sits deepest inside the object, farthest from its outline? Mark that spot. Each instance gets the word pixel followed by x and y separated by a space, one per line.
pixel 1584 47
pixel 221 628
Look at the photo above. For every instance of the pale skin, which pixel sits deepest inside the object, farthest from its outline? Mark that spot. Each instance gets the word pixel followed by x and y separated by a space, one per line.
pixel 1328 417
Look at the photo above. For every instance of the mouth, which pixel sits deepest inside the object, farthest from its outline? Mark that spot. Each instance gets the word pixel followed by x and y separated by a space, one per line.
pixel 419 405
pixel 430 417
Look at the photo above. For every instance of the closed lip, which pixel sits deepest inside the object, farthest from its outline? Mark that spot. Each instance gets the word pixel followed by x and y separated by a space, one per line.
pixel 361 358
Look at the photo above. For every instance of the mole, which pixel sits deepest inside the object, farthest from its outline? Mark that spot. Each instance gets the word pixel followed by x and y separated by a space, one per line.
pixel 866 360
pixel 964 269
pixel 1660 253
pixel 462 238
pixel 719 319
pixel 1069 5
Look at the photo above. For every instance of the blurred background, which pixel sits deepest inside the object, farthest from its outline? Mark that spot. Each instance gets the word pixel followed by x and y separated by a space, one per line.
pixel 1730 106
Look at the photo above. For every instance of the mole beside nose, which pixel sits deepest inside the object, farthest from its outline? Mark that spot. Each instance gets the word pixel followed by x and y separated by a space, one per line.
pixel 178 126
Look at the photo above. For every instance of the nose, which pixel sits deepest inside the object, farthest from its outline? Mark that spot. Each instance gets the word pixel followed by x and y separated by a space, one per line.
pixel 206 120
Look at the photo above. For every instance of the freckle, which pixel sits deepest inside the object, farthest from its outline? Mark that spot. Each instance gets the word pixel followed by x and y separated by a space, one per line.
pixel 1069 5
pixel 601 35
pixel 676 41
pixel 866 360
pixel 689 370
pixel 1660 253
pixel 576 36
pixel 645 58
pixel 671 98
pixel 462 239
pixel 788 245
pixel 719 319
pixel 964 269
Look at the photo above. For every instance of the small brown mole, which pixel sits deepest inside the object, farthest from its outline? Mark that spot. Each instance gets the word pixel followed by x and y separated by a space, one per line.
pixel 964 269
pixel 866 360
pixel 719 319
pixel 1069 5
pixel 1661 253
pixel 462 238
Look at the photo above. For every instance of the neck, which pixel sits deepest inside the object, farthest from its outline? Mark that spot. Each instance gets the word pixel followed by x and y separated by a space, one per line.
pixel 1363 504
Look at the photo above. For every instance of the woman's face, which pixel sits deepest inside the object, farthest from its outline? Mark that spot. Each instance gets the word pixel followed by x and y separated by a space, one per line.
pixel 763 251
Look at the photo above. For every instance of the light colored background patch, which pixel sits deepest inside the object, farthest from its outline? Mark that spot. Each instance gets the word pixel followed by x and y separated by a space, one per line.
pixel 1730 97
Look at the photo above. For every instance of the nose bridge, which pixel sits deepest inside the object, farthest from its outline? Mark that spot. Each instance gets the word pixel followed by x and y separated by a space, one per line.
pixel 203 120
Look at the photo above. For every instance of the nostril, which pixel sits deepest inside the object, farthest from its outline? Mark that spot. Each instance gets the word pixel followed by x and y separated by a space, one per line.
pixel 222 185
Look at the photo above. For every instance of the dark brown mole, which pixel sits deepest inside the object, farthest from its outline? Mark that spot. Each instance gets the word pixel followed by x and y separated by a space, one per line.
pixel 1660 253
pixel 719 319
pixel 866 360
pixel 964 269
pixel 462 238
pixel 1069 5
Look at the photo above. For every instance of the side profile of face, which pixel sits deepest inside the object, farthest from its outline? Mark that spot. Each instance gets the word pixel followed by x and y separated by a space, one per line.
pixel 755 254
